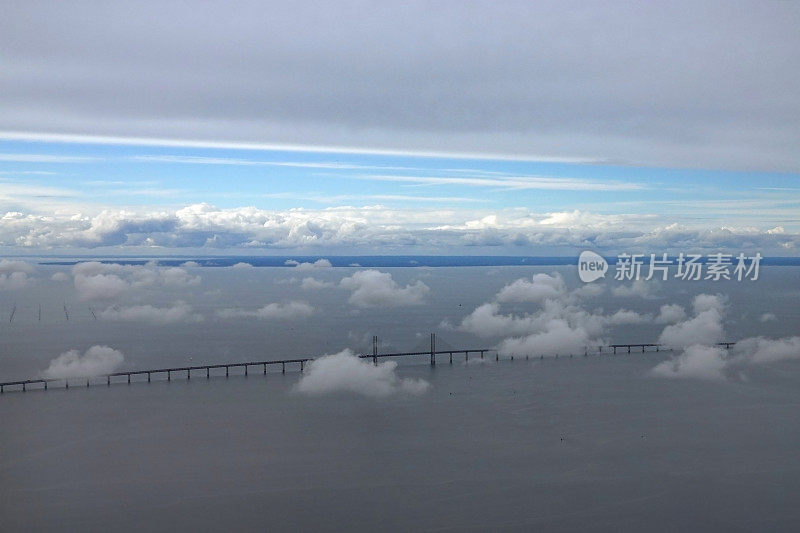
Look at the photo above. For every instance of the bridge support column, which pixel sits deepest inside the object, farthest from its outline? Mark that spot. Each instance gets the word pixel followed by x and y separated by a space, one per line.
pixel 303 365
pixel 188 375
pixel 208 372
pixel 245 370
pixel 433 349
pixel 169 375
pixel 375 350
pixel 283 368
pixel 226 371
pixel 108 381
pixel 148 377
pixel 265 369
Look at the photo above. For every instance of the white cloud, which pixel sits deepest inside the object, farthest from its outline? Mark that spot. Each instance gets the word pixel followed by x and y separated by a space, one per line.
pixel 12 266
pixel 100 286
pixel 180 312
pixel 697 361
pixel 14 281
pixel 671 314
pixel 760 350
pixel 705 327
pixel 637 289
pixel 319 263
pixel 207 226
pixel 14 274
pixel 272 311
pixel 191 264
pixel 345 372
pixel 242 266
pixel 768 317
pixel 96 361
pixel 96 280
pixel 540 287
pixel 624 317
pixel 315 284
pixel 371 288
pixel 715 362
pixel 60 276
pixel 557 336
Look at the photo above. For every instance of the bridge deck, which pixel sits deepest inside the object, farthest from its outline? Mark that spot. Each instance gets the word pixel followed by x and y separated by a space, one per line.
pixel 283 362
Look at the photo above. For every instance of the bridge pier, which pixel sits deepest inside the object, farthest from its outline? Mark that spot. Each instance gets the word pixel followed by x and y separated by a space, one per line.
pixel 433 349
pixel 208 372
pixel 245 370
pixel 169 375
pixel 226 371
pixel 148 377
pixel 283 368
pixel 265 369
pixel 188 374
pixel 302 366
pixel 108 381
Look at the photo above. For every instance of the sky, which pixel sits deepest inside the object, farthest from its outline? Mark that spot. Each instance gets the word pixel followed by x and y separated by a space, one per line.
pixel 480 128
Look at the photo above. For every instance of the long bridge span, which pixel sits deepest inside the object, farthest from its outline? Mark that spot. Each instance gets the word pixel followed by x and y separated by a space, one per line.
pixel 299 364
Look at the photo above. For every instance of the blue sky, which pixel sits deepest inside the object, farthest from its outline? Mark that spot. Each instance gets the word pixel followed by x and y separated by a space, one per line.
pixel 96 175
pixel 129 195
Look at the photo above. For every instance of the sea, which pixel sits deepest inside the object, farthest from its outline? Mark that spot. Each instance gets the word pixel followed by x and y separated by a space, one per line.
pixel 575 443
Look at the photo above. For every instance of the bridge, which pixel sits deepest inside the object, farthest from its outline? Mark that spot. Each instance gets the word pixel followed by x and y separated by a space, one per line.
pixel 299 364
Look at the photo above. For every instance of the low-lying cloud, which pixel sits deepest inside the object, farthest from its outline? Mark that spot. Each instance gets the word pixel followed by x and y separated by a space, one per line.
pixel 96 361
pixel 346 372
pixel 372 288
pixel 102 281
pixel 180 312
pixel 272 311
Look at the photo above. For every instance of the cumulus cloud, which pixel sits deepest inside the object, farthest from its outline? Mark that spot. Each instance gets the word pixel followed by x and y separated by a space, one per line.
pixel 697 361
pixel 96 280
pixel 319 263
pixel 100 286
pixel 715 362
pixel 540 287
pixel 272 311
pixel 207 226
pixel 242 265
pixel 8 266
pixel 705 327
pixel 180 312
pixel 671 314
pixel 637 289
pixel 371 288
pixel 345 372
pixel 314 284
pixel 14 275
pixel 624 317
pixel 60 276
pixel 96 361
pixel 14 281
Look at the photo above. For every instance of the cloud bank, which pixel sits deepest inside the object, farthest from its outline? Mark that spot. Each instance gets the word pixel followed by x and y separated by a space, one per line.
pixel 204 226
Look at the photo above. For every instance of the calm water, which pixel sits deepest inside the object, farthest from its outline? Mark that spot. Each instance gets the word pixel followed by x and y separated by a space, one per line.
pixel 575 443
